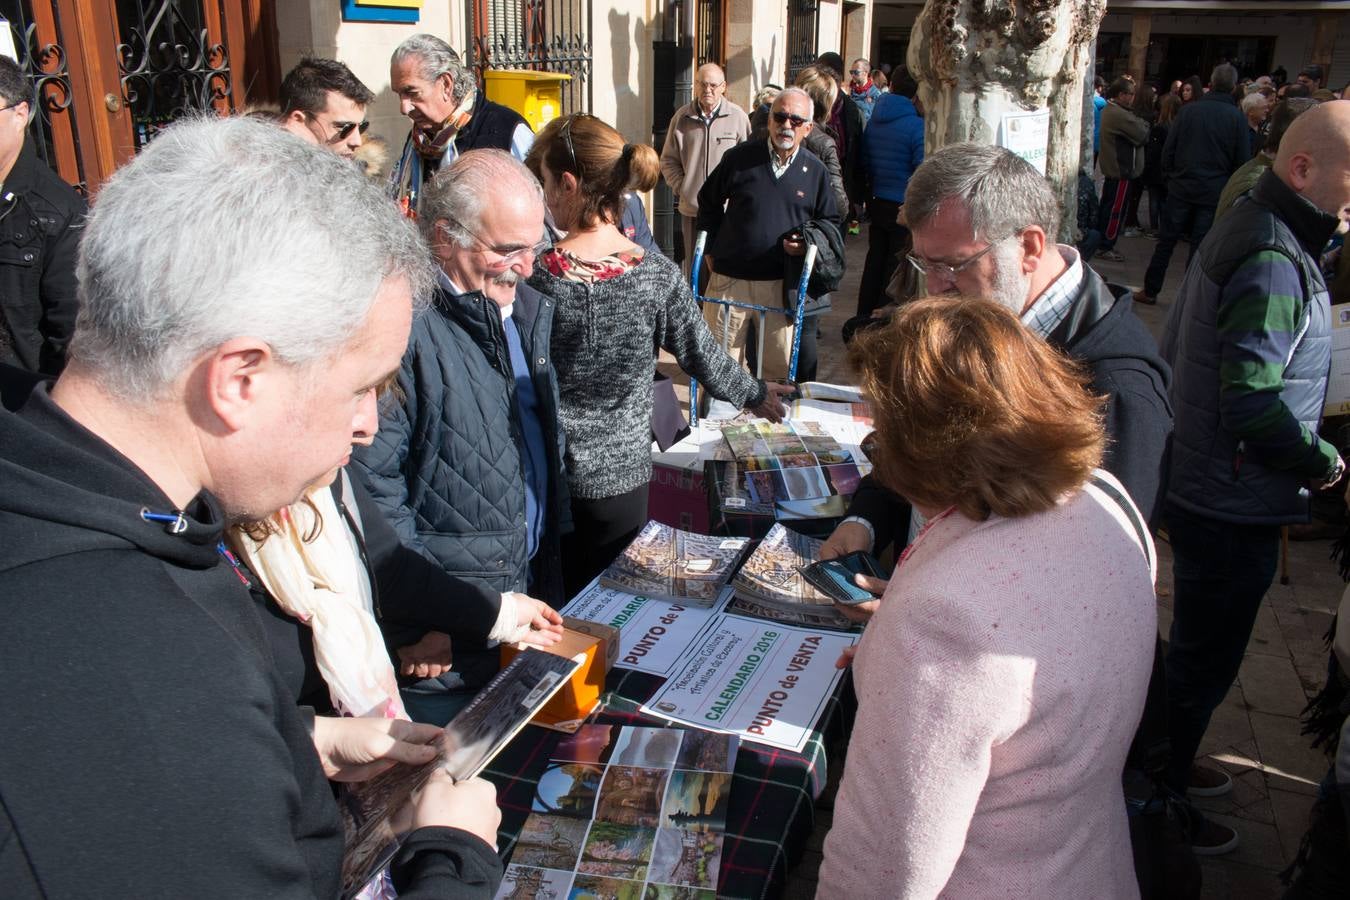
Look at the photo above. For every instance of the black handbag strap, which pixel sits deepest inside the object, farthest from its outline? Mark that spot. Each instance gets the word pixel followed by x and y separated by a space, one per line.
pixel 1132 514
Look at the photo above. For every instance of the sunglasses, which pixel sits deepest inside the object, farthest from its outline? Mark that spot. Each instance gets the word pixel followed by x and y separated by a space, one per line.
pixel 782 117
pixel 343 130
pixel 566 133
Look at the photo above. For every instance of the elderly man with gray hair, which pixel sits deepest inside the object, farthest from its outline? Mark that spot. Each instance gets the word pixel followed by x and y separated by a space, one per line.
pixel 1205 145
pixel 468 461
pixel 449 115
pixel 243 294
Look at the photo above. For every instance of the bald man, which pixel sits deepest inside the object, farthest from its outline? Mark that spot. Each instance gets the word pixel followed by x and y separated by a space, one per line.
pixel 1250 348
pixel 699 133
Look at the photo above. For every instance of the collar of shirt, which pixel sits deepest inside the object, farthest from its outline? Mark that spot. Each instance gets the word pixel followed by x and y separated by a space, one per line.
pixel 708 117
pixel 453 288
pixel 1054 303
pixel 774 165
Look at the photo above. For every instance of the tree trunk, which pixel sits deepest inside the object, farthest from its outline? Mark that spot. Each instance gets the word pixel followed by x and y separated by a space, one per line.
pixel 980 61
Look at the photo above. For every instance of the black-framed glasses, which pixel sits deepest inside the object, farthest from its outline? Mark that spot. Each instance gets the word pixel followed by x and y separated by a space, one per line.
pixel 508 253
pixel 341 130
pixel 566 134
pixel 946 271
pixel 782 117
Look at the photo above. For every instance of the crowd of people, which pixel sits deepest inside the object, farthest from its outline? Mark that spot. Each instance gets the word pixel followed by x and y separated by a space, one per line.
pixel 287 450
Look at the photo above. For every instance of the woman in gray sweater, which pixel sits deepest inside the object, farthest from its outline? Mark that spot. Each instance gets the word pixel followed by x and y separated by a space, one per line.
pixel 616 305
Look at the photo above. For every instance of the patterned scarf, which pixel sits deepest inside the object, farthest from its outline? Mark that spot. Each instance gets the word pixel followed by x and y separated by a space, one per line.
pixel 421 148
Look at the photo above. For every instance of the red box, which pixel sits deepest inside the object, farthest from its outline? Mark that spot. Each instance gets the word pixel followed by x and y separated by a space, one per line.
pixel 676 497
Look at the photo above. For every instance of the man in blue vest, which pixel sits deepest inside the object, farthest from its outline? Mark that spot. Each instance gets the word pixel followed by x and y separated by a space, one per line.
pixel 1249 341
pixel 468 462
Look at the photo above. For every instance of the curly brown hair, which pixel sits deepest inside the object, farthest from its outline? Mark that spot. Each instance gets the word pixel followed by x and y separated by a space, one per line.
pixel 975 411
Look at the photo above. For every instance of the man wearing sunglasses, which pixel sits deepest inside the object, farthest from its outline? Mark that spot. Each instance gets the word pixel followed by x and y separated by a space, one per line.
pixel 323 103
pixel 753 207
pixel 467 464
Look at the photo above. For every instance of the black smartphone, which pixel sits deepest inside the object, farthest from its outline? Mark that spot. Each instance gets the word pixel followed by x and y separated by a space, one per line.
pixel 834 577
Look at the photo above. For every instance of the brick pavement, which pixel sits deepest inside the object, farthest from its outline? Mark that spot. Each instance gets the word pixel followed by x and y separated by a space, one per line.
pixel 1255 732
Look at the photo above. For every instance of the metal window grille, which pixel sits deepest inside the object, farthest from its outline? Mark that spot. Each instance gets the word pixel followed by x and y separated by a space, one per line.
pixel 802 34
pixel 168 64
pixel 547 35
pixel 708 44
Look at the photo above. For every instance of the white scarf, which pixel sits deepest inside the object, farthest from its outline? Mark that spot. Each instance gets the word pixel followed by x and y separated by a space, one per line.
pixel 324 584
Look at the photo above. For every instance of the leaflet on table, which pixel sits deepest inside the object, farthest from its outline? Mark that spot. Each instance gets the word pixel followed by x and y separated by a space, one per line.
pixel 626 812
pixel 653 634
pixel 767 682
pixel 670 564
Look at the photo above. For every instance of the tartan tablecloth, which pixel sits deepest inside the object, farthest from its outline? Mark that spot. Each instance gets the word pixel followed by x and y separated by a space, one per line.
pixel 771 812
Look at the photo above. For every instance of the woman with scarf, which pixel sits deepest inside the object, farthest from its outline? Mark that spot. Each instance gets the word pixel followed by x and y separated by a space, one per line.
pixel 616 306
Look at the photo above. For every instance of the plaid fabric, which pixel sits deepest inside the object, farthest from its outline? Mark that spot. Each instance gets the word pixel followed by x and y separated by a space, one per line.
pixel 772 808
pixel 1054 303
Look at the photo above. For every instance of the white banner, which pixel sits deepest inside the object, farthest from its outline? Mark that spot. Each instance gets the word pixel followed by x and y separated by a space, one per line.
pixel 764 681
pixel 653 634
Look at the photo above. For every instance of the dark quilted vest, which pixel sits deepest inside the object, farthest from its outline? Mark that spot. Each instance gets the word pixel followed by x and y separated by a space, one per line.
pixel 463 466
pixel 490 127
pixel 1206 477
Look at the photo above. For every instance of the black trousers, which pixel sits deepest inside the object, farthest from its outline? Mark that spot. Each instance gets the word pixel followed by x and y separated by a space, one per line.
pixel 886 241
pixel 602 528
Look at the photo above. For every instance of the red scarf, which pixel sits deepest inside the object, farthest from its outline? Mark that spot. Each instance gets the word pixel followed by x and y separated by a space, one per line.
pixel 866 86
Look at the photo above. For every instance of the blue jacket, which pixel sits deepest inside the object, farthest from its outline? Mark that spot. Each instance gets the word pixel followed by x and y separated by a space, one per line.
pixel 1206 144
pixel 892 147
pixel 1253 299
pixel 446 466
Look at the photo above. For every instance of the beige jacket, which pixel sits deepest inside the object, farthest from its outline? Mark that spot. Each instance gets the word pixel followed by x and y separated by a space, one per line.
pixel 693 149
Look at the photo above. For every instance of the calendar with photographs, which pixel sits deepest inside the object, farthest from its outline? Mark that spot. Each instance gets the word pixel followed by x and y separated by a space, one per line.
pixel 622 811
pixel 664 563
pixel 468 743
pixel 770 584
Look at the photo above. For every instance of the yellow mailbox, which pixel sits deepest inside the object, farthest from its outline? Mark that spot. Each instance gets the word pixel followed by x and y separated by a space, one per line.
pixel 535 95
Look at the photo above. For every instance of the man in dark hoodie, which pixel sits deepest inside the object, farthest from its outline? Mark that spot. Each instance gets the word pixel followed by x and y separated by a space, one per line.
pixel 149 746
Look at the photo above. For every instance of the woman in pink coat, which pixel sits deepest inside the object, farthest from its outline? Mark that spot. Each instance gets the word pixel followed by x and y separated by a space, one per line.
pixel 1001 679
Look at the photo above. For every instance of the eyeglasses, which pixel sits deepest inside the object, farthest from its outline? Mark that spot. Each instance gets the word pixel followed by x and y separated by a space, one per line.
pixel 859 71
pixel 509 254
pixel 341 130
pixel 566 133
pixel 945 271
pixel 712 85
pixel 782 117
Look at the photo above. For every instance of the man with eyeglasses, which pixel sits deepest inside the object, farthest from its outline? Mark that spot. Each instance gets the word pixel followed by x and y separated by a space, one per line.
pixel 41 218
pixel 323 103
pixel 983 223
pixel 753 207
pixel 467 463
pixel 700 133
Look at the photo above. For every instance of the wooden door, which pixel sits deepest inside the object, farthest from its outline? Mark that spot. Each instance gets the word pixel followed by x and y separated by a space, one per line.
pixel 108 75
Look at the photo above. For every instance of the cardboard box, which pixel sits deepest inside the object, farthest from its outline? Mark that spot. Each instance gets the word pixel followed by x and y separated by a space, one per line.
pixel 578 698
pixel 608 633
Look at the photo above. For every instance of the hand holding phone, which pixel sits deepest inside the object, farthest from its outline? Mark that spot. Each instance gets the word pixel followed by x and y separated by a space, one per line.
pixel 835 577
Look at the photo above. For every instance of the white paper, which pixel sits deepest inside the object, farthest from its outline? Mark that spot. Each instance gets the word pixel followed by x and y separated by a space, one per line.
pixel 1027 134
pixel 764 681
pixel 653 634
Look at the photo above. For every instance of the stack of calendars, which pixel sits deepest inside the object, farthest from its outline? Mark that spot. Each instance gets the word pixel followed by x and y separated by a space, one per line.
pixel 770 585
pixel 665 563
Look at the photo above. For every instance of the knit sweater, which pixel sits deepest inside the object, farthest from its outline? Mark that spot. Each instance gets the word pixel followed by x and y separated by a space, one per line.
pixel 999 685
pixel 605 335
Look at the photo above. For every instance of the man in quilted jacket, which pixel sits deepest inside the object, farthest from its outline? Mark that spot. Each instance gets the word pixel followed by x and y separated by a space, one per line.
pixel 468 460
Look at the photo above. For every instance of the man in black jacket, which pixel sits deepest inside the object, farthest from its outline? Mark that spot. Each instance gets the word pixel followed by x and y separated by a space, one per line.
pixel 1206 144
pixel 753 206
pixel 40 221
pixel 983 223
pixel 467 464
pixel 148 743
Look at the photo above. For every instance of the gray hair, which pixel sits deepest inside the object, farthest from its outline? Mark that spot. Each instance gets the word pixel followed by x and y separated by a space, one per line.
pixel 1252 100
pixel 436 58
pixel 1223 79
pixel 794 92
pixel 461 191
pixel 225 228
pixel 1003 193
